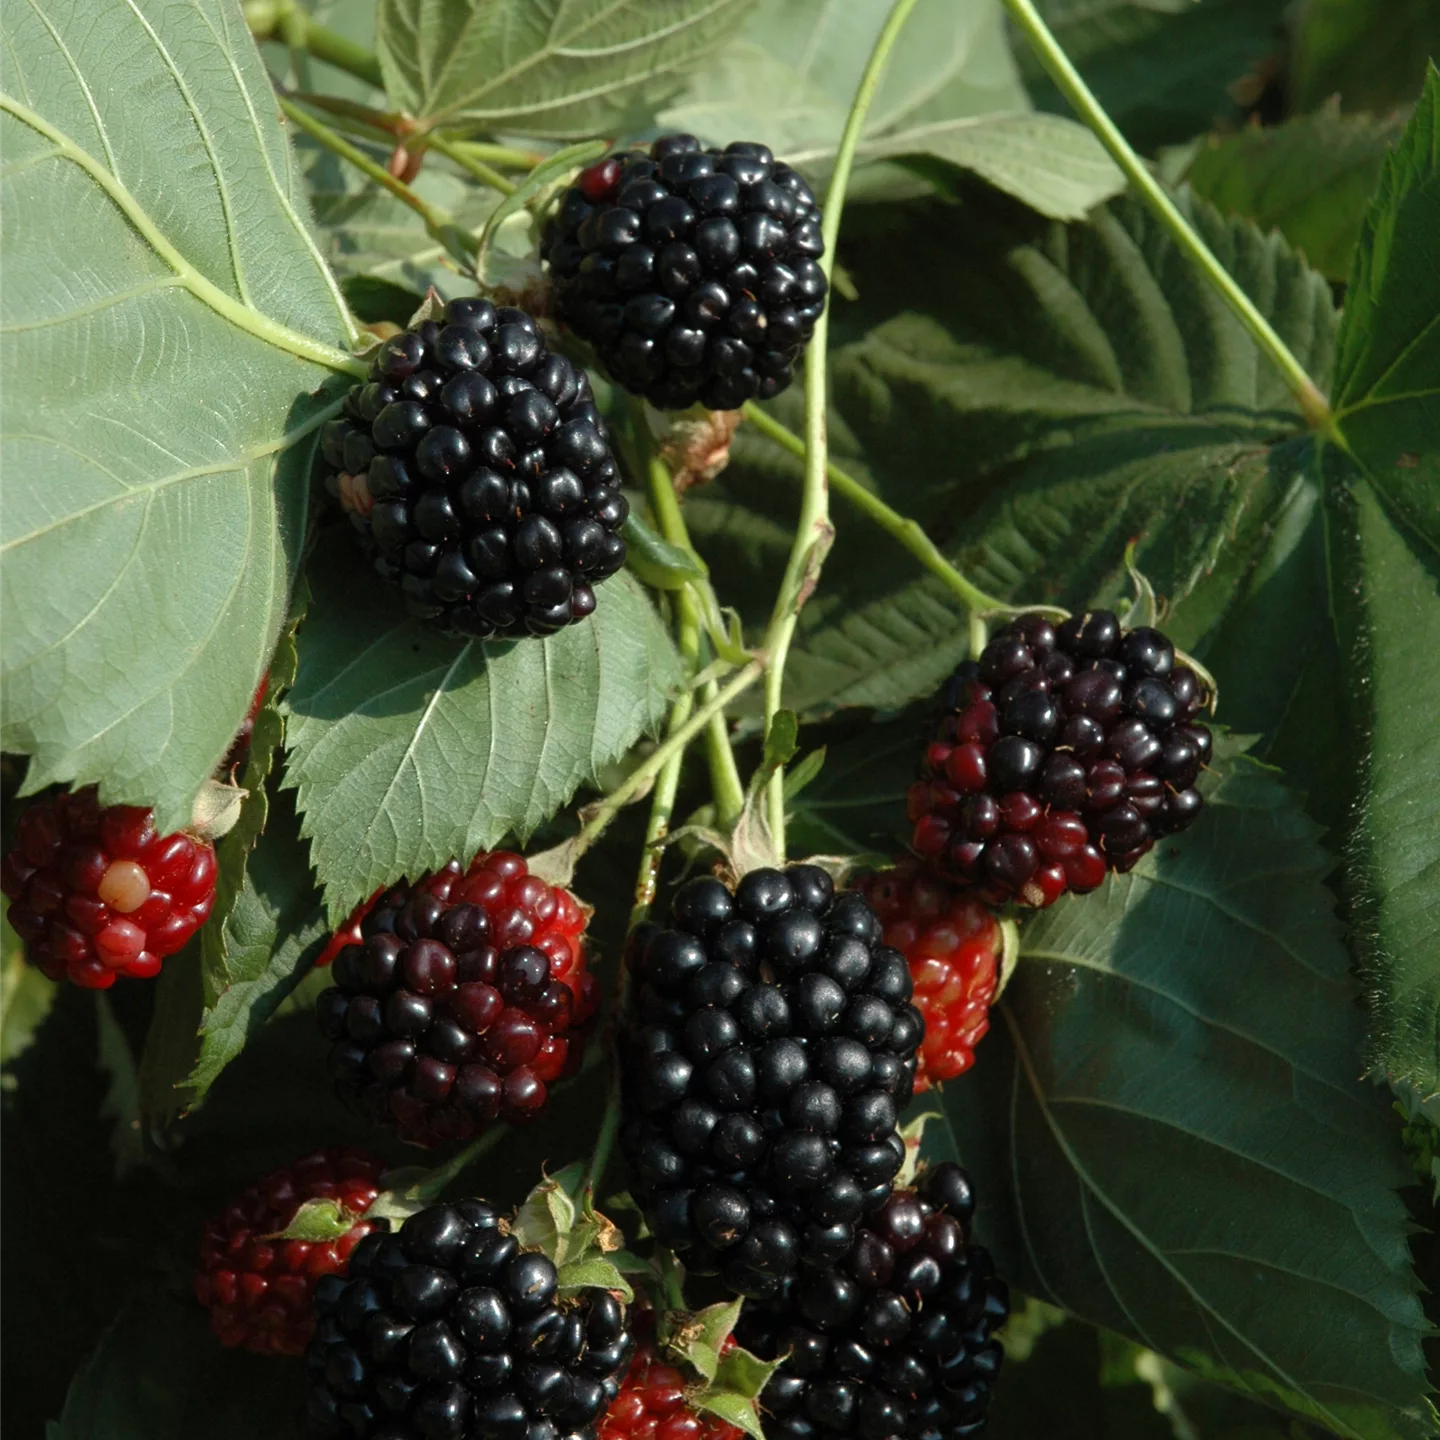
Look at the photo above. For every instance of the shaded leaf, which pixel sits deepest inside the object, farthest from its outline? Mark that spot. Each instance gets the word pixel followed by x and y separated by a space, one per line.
pixel 1084 388
pixel 1163 69
pixel 121 1106
pixel 409 749
pixel 163 344
pixel 1372 53
pixel 1386 598
pixel 574 69
pixel 1309 178
pixel 26 995
pixel 1169 1135
pixel 949 90
pixel 1387 366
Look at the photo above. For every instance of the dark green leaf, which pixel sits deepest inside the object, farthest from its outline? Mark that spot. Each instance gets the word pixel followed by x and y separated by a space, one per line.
pixel 949 91
pixel 1309 178
pixel 1387 367
pixel 1083 388
pixel 165 337
pixel 409 749
pixel 1386 597
pixel 580 69
pixel 160 1375
pixel 1163 69
pixel 1169 1137
pixel 1370 52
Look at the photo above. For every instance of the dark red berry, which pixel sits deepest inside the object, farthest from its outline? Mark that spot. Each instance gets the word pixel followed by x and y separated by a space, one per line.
pixel 96 893
pixel 258 1288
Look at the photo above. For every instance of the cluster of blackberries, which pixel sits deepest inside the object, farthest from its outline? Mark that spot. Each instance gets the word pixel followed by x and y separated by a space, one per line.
pixel 475 466
pixel 769 1048
pixel 898 1340
pixel 461 1002
pixel 1064 752
pixel 693 272
pixel 448 1330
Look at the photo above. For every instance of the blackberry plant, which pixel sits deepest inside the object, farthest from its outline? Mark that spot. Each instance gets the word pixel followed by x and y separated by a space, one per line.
pixel 955 596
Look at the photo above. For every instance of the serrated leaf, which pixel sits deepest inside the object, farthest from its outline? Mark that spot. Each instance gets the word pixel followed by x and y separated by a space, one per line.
pixel 1386 597
pixel 1163 69
pixel 577 69
pixel 1083 389
pixel 409 749
pixel 949 91
pixel 1387 367
pixel 164 340
pixel 1167 1130
pixel 319 1221
pixel 1372 53
pixel 1309 178
pixel 733 1409
pixel 594 1273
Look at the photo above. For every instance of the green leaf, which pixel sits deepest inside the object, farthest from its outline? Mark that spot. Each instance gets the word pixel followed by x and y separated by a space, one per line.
pixel 168 320
pixel 121 1105
pixel 1372 53
pixel 733 1409
pixel 409 749
pixel 1084 388
pixel 1386 597
pixel 575 70
pixel 26 996
pixel 1167 1129
pixel 949 91
pixel 744 1374
pixel 704 1334
pixel 1387 368
pixel 1309 178
pixel 595 1272
pixel 319 1221
pixel 158 1374
pixel 1163 69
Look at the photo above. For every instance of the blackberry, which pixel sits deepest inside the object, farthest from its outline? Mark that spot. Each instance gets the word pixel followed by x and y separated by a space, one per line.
pixel 898 1340
pixel 95 893
pixel 259 1289
pixel 1065 752
pixel 953 946
pixel 694 273
pixel 768 1050
pixel 461 1002
pixel 447 1329
pixel 475 466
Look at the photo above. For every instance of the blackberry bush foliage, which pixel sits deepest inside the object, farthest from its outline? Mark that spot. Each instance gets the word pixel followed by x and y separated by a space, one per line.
pixel 760 887
pixel 474 465
pixel 693 272
pixel 768 1052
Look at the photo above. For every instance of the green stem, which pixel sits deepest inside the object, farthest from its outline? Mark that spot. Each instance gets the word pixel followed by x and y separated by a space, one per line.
pixel 1313 403
pixel 505 155
pixel 642 775
pixel 727 789
pixel 469 162
pixel 908 532
pixel 283 19
pixel 813 532
pixel 609 1129
pixel 436 221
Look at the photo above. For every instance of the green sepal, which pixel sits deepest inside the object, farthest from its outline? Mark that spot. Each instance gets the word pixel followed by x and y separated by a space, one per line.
pixel 319 1221
pixel 734 1409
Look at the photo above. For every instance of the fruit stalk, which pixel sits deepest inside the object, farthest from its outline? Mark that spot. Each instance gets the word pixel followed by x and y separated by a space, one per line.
pixel 813 531
pixel 1313 404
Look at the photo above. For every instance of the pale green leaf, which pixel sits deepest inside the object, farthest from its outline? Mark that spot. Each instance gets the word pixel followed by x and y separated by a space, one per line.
pixel 167 320
pixel 558 68
pixel 410 749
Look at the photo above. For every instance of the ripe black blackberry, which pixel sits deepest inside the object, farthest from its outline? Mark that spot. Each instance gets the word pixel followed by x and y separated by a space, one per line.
pixel 896 1343
pixel 694 273
pixel 460 1003
pixel 447 1329
pixel 475 466
pixel 768 1050
pixel 1064 752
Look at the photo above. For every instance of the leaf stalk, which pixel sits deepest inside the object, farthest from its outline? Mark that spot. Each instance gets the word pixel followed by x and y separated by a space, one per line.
pixel 286 21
